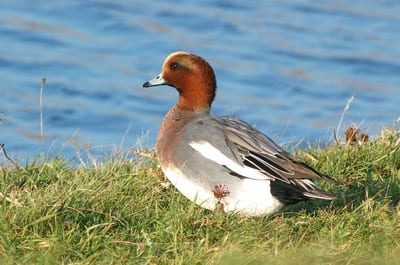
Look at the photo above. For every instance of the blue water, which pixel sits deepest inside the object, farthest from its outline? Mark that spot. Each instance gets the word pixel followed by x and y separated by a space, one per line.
pixel 288 67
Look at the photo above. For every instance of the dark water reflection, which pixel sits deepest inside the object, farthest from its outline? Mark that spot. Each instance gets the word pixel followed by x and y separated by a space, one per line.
pixel 289 67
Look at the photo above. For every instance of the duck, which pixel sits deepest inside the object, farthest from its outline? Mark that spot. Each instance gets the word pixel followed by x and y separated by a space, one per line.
pixel 222 162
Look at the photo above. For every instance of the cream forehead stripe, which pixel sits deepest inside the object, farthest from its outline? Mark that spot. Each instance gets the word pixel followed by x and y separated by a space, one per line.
pixel 175 54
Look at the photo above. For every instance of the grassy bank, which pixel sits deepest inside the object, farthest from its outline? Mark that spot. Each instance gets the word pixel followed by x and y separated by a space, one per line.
pixel 124 211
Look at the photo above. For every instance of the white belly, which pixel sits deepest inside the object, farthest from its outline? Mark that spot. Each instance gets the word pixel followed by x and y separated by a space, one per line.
pixel 250 197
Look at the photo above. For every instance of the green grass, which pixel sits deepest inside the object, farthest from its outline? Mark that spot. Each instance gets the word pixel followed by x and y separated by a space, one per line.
pixel 56 213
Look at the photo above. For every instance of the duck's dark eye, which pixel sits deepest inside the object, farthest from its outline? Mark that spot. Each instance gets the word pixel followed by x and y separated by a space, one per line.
pixel 174 66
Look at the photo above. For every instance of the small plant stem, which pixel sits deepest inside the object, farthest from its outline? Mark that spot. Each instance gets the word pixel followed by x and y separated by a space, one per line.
pixel 2 146
pixel 346 108
pixel 41 112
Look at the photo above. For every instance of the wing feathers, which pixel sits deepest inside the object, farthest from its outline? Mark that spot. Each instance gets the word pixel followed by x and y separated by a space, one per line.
pixel 257 151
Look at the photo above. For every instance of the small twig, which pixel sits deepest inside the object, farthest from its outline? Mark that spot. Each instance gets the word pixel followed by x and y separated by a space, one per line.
pixel 346 108
pixel 41 111
pixel 335 136
pixel 394 125
pixel 124 136
pixel 2 146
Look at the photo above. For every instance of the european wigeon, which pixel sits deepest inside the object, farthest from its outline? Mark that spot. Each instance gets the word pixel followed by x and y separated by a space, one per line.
pixel 223 162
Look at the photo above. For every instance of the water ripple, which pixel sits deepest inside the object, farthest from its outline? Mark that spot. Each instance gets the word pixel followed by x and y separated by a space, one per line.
pixel 288 67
